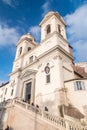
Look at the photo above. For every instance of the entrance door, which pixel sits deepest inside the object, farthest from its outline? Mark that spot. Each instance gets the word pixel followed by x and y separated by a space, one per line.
pixel 28 92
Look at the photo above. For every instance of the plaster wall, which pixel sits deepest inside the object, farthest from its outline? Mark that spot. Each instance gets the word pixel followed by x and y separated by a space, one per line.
pixel 77 97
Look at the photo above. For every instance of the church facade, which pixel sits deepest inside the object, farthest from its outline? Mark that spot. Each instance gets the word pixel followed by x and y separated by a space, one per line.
pixel 45 74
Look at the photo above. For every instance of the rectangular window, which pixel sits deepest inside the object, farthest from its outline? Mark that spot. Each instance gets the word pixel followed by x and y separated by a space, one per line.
pixel 5 91
pixel 31 59
pixel 20 50
pixel 59 28
pixel 48 78
pixel 12 92
pixel 79 85
pixel 29 48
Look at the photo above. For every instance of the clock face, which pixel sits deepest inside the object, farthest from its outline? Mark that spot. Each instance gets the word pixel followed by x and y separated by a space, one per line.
pixel 47 69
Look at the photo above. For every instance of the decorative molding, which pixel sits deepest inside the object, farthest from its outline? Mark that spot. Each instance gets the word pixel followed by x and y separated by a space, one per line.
pixel 55 57
pixel 63 43
pixel 51 64
pixel 17 64
pixel 27 73
pixel 63 90
pixel 26 63
pixel 39 66
pixel 47 69
pixel 48 42
pixel 13 83
pixel 60 57
pixel 67 69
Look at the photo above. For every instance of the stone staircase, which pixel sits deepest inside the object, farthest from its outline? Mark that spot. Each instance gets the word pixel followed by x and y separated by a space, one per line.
pixel 59 122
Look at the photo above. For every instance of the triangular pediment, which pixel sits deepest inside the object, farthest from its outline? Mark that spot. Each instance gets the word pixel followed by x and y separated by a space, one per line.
pixel 28 73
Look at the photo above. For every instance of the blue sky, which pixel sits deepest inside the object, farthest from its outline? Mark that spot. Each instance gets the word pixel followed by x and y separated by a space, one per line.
pixel 18 17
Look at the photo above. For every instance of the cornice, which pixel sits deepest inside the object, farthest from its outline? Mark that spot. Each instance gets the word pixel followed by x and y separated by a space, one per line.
pixel 49 16
pixel 75 79
pixel 28 73
pixel 51 34
pixel 3 84
pixel 57 47
pixel 17 71
pixel 67 69
pixel 65 52
pixel 43 41
pixel 25 39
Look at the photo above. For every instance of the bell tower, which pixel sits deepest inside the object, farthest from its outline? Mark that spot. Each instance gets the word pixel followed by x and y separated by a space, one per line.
pixel 25 44
pixel 53 27
pixel 52 22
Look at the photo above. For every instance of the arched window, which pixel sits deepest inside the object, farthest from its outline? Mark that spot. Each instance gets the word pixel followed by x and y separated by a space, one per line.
pixel 12 91
pixel 5 91
pixel 48 29
pixel 29 48
pixel 46 109
pixel 31 59
pixel 20 51
pixel 59 28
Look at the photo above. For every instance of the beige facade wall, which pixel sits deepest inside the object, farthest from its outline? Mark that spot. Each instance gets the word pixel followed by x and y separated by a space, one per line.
pixel 18 119
pixel 77 97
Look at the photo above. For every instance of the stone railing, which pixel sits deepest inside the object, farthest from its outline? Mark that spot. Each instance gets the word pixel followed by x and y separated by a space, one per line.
pixel 28 106
pixel 63 123
pixel 59 122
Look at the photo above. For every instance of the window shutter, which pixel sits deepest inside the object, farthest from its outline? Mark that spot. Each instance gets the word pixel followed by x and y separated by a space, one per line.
pixel 83 85
pixel 75 86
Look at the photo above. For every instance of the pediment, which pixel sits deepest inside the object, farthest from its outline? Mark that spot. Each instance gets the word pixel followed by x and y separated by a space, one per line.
pixel 28 73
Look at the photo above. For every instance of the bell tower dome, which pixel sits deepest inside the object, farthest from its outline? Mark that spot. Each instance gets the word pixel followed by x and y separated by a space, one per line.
pixel 25 44
pixel 52 22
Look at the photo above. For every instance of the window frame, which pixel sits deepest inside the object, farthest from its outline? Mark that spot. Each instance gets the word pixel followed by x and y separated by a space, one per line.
pixel 31 59
pixel 48 29
pixel 20 50
pixel 48 78
pixel 59 28
pixel 28 49
pixel 12 91
pixel 79 86
pixel 6 91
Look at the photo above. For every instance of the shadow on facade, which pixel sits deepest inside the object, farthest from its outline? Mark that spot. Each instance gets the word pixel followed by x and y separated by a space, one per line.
pixel 9 128
pixel 4 117
pixel 2 113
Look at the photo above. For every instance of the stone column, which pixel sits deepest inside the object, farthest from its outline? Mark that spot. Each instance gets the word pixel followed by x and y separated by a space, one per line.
pixel 62 92
pixel 24 91
pixel 17 88
pixel 61 72
pixel 33 90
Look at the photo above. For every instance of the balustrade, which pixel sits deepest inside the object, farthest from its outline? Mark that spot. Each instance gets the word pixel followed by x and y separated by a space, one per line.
pixel 58 121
